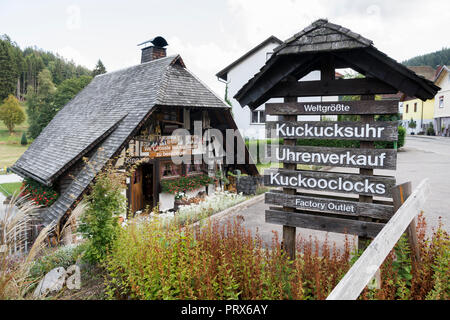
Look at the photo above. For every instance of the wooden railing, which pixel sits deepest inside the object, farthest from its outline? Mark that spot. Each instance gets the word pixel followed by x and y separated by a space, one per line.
pixel 359 275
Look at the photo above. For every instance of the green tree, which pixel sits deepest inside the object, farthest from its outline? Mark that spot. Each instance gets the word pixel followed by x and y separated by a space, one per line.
pixel 8 70
pixel 41 109
pixel 99 68
pixel 68 89
pixel 433 59
pixel 99 224
pixel 11 113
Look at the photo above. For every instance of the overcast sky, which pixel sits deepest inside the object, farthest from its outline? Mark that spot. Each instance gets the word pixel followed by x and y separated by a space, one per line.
pixel 209 35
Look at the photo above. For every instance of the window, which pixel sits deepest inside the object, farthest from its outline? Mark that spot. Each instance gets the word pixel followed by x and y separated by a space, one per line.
pixel 406 109
pixel 441 101
pixel 193 168
pixel 258 116
pixel 415 106
pixel 169 169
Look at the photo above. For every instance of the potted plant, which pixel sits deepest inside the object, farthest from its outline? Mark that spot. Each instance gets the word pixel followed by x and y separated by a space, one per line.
pixel 412 125
pixel 178 200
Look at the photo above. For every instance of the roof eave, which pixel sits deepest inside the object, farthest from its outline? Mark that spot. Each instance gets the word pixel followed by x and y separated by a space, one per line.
pixel 223 74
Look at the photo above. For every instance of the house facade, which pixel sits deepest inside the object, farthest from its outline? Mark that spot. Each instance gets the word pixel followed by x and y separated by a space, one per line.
pixel 128 118
pixel 417 115
pixel 442 103
pixel 251 123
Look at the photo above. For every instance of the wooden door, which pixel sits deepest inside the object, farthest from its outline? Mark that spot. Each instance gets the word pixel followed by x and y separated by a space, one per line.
pixel 137 195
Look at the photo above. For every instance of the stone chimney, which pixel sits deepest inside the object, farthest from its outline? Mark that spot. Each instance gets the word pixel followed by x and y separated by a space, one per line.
pixel 153 49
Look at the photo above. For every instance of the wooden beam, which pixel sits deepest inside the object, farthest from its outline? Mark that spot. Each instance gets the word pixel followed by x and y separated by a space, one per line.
pixel 333 107
pixel 359 275
pixel 329 205
pixel 366 119
pixel 289 232
pixel 331 88
pixel 318 222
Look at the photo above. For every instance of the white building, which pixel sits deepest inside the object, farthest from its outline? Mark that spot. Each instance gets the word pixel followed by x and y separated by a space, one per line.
pixel 442 103
pixel 252 123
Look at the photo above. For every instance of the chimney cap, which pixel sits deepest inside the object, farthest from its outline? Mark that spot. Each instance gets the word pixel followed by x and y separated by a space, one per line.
pixel 156 41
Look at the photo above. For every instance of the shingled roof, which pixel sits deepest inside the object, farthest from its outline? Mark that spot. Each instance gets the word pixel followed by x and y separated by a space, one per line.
pixel 303 50
pixel 98 122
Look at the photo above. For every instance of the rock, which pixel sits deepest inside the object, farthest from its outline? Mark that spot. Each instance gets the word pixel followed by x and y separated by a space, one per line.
pixel 73 281
pixel 51 283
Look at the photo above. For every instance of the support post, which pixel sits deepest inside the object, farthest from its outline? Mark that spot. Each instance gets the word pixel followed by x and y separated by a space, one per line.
pixel 362 241
pixel 289 233
pixel 399 194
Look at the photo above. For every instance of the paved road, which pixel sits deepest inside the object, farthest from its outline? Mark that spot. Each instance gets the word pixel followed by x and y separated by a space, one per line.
pixel 421 157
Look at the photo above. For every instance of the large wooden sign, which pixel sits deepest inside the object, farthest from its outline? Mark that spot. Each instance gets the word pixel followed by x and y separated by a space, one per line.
pixel 333 107
pixel 342 130
pixel 305 201
pixel 341 157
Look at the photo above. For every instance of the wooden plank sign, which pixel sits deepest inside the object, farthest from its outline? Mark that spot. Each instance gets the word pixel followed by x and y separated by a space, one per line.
pixel 341 157
pixel 330 181
pixel 333 107
pixel 342 130
pixel 333 206
pixel 331 224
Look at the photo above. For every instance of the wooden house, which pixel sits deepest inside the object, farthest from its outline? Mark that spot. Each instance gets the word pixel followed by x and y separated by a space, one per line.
pixel 126 115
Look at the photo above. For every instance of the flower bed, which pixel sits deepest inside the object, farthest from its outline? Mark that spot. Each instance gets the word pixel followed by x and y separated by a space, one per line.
pixel 40 194
pixel 197 211
pixel 186 183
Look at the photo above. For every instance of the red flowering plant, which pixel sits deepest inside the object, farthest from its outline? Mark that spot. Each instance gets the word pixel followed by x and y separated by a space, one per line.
pixel 186 183
pixel 41 195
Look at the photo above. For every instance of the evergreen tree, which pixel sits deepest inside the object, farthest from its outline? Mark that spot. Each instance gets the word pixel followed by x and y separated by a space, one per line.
pixel 11 113
pixel 40 104
pixel 433 59
pixel 99 68
pixel 8 70
pixel 24 140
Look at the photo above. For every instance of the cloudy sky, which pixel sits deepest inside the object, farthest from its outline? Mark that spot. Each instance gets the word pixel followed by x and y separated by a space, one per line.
pixel 211 34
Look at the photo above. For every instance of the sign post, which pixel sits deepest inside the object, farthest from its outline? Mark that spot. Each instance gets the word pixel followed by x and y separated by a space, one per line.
pixel 324 200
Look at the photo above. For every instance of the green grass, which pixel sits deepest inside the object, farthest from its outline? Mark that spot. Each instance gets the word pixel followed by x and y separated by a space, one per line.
pixel 9 188
pixel 10 147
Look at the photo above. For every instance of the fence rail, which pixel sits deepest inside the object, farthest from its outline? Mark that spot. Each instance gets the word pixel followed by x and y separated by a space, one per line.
pixel 359 275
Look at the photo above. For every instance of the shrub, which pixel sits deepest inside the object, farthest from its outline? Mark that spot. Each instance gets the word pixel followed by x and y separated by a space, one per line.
pixel 227 262
pixel 430 130
pixel 99 223
pixel 23 140
pixel 217 262
pixel 402 278
pixel 52 258
pixel 401 137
